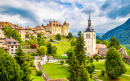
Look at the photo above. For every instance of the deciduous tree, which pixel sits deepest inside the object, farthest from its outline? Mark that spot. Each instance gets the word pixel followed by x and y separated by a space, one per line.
pixel 113 64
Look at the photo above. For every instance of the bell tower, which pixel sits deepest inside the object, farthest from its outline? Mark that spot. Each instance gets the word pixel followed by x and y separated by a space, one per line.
pixel 89 36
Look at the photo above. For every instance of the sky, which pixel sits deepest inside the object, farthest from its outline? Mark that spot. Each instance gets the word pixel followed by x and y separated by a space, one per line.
pixel 105 14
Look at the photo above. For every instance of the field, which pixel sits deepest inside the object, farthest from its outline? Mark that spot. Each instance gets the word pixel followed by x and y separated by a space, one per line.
pixel 62 46
pixel 56 71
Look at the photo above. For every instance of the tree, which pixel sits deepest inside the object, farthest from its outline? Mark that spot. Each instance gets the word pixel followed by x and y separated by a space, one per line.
pixel 83 74
pixel 105 42
pixel 33 46
pixel 41 42
pixel 9 68
pixel 103 72
pixel 26 35
pixel 8 31
pixel 42 50
pixel 98 41
pixel 70 36
pixel 80 49
pixel 69 53
pixel 73 42
pixel 91 69
pixel 91 59
pixel 20 57
pixel 128 52
pixel 114 43
pixel 58 37
pixel 51 50
pixel 2 51
pixel 114 64
pixel 97 58
pixel 74 69
pixel 62 62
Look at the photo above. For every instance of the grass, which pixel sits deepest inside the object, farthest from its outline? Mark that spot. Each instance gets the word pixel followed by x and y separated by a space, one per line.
pixel 62 47
pixel 56 71
pixel 33 75
pixel 100 65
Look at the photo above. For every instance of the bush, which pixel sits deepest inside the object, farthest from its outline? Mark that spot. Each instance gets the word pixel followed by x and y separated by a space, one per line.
pixel 34 54
pixel 58 37
pixel 103 72
pixel 66 61
pixel 39 73
pixel 62 62
pixel 33 46
pixel 51 40
pixel 97 58
pixel 91 59
pixel 31 63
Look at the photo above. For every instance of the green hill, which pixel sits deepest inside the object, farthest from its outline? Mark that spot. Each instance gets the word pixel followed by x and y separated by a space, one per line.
pixel 122 33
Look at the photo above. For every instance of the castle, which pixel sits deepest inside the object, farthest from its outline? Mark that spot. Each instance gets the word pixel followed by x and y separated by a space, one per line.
pixel 51 29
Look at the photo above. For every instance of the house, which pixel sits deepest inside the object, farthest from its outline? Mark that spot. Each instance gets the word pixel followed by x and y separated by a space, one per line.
pixel 127 59
pixel 12 44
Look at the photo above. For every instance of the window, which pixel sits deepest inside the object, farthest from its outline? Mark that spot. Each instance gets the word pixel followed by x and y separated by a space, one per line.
pixel 11 53
pixel 87 35
pixel 11 46
pixel 9 42
pixel 15 49
pixel 12 50
pixel 16 46
pixel 14 42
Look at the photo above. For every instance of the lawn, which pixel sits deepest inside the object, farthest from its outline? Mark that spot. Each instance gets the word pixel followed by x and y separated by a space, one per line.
pixel 56 71
pixel 101 65
pixel 62 47
pixel 33 75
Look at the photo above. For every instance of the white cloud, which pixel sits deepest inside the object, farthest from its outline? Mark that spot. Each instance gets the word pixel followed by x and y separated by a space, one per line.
pixel 51 10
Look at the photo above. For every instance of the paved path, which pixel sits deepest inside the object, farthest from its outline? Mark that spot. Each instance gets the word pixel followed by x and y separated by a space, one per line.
pixel 96 76
pixel 36 63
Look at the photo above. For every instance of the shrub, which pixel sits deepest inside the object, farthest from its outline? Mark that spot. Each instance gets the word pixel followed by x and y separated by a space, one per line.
pixel 31 63
pixel 103 72
pixel 51 40
pixel 39 73
pixel 66 61
pixel 58 37
pixel 34 54
pixel 91 59
pixel 62 62
pixel 33 46
pixel 97 58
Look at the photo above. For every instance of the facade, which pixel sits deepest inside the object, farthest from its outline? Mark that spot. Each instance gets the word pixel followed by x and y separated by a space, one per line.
pixel 89 36
pixel 51 29
pixel 12 44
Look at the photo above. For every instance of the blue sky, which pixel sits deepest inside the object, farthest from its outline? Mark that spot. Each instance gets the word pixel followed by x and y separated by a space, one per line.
pixel 105 14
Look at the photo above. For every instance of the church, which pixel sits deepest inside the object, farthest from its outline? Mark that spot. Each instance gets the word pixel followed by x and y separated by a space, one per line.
pixel 89 36
pixel 93 49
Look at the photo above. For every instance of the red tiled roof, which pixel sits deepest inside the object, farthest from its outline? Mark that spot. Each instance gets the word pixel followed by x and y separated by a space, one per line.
pixel 100 46
pixel 65 23
pixel 39 28
pixel 19 28
pixel 128 57
pixel 30 33
pixel 28 28
pixel 10 40
pixel 102 51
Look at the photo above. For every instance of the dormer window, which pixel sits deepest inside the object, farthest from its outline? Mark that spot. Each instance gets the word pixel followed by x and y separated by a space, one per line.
pixel 14 42
pixel 9 42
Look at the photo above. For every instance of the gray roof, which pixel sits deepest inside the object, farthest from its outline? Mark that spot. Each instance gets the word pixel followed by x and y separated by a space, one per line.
pixel 89 29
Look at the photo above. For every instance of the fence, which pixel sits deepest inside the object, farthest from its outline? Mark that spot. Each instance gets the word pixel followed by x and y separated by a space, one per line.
pixel 45 76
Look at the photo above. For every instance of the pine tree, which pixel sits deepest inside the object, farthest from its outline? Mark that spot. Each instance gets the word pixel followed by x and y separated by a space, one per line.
pixel 80 49
pixel 83 74
pixel 20 57
pixel 74 69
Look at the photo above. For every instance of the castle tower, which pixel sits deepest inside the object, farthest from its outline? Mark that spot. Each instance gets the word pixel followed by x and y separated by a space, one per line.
pixel 65 29
pixel 90 38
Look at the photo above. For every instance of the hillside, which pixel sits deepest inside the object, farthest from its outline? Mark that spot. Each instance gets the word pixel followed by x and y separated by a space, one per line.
pixel 122 33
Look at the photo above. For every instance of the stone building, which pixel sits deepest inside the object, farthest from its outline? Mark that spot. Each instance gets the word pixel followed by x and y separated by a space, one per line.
pixel 89 36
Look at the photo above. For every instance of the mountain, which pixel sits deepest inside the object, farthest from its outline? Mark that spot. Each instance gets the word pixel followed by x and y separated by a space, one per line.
pixel 122 33
pixel 98 34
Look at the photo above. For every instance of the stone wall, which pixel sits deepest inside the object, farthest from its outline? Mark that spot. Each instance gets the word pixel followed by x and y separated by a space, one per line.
pixel 29 50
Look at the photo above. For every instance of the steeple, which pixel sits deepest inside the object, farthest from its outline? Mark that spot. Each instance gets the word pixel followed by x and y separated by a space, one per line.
pixel 89 14
pixel 89 28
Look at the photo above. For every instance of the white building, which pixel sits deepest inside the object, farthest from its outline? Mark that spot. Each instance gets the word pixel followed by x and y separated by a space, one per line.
pixel 89 36
pixel 12 44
